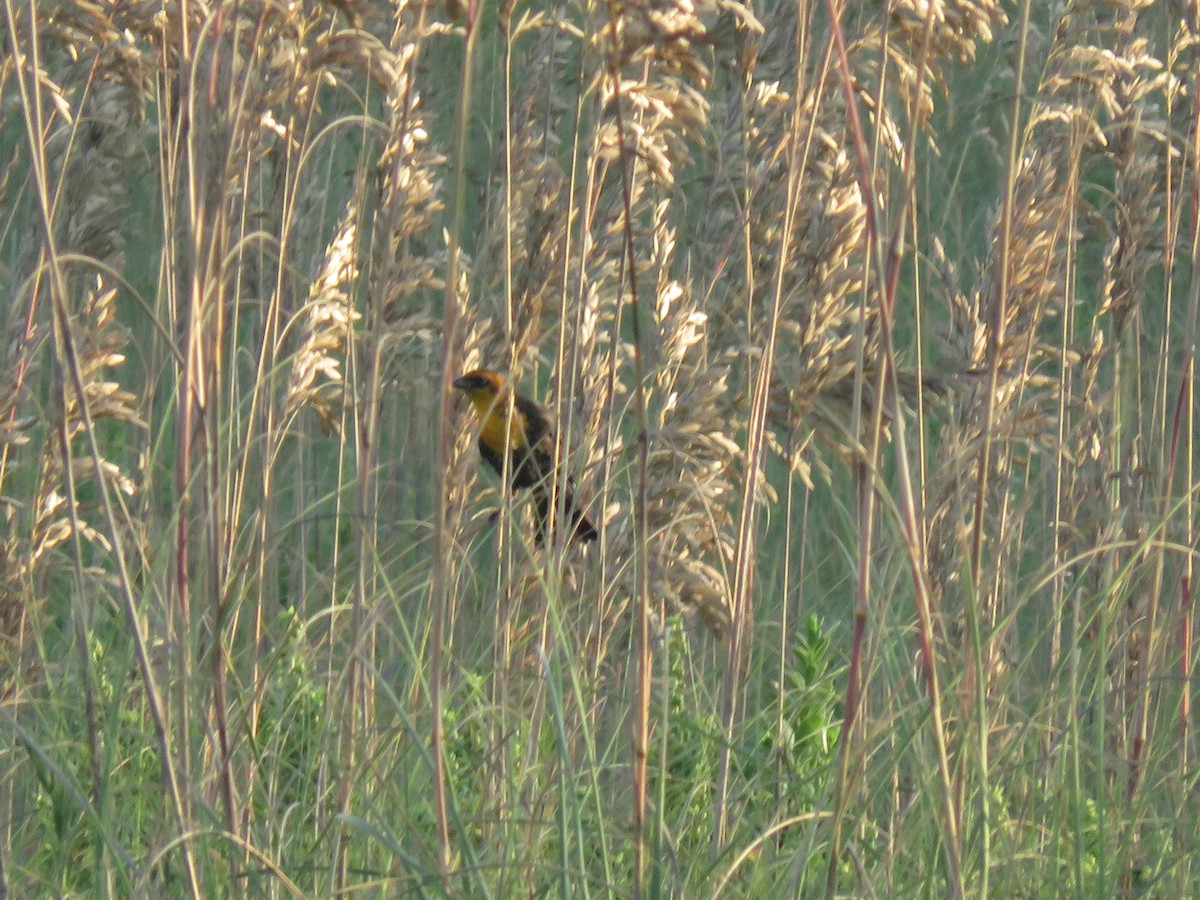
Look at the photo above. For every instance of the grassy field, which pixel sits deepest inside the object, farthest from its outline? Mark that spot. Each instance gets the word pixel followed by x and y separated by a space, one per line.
pixel 870 331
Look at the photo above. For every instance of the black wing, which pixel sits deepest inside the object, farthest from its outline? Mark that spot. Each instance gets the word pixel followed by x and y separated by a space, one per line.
pixel 536 471
pixel 533 464
pixel 493 458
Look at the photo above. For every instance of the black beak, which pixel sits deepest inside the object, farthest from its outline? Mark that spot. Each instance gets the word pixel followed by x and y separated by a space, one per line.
pixel 462 383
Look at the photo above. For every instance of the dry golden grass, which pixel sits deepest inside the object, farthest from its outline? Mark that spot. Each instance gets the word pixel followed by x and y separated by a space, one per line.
pixel 885 312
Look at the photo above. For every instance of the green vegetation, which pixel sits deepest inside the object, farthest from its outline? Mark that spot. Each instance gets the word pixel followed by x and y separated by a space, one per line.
pixel 870 330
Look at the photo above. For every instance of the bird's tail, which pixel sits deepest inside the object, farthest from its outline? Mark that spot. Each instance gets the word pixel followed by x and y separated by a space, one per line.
pixel 582 528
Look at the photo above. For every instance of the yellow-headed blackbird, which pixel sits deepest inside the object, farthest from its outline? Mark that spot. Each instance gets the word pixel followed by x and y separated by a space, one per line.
pixel 530 442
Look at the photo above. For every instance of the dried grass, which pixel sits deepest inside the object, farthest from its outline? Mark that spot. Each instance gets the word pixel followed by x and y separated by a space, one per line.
pixel 668 227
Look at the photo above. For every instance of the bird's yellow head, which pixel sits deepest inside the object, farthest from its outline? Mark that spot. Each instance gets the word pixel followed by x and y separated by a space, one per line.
pixel 483 388
pixel 488 393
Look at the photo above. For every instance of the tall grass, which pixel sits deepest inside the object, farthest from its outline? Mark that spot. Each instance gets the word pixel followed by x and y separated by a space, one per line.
pixel 869 330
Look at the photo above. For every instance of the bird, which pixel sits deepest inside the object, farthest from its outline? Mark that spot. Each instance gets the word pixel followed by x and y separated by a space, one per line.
pixel 530 445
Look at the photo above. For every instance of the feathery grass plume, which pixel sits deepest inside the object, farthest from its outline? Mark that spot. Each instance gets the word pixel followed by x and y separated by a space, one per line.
pixel 407 265
pixel 692 464
pixel 477 345
pixel 530 217
pixel 355 52
pixel 408 252
pixel 1021 411
pixel 299 63
pixel 955 26
pixel 649 111
pixel 408 249
pixel 100 341
pixel 652 48
pixel 590 335
pixel 94 127
pixel 658 112
pixel 1137 146
pixel 820 310
pixel 1010 405
pixel 660 107
pixel 329 319
pixel 918 38
pixel 237 117
pixel 1101 505
pixel 1138 451
pixel 100 157
pixel 821 307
